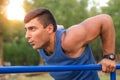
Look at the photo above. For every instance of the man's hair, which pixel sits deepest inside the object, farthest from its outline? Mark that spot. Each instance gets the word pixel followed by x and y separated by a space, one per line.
pixel 44 16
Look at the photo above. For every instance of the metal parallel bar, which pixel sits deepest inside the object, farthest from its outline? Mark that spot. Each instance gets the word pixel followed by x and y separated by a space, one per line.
pixel 51 68
pixel 118 66
pixel 113 75
pixel 54 68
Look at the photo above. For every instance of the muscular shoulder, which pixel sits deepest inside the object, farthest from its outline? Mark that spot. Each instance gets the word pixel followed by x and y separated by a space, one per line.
pixel 72 38
pixel 81 34
pixel 97 19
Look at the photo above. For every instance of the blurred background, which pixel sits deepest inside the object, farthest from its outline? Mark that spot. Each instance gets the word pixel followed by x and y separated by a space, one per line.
pixel 15 50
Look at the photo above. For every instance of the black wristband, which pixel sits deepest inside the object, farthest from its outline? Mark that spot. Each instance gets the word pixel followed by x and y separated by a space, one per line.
pixel 110 56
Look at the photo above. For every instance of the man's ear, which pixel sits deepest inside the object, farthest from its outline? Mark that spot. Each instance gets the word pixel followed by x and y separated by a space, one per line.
pixel 50 28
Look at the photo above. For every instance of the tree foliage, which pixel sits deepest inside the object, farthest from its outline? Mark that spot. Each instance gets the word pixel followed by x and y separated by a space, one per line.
pixel 3 19
pixel 66 12
pixel 17 51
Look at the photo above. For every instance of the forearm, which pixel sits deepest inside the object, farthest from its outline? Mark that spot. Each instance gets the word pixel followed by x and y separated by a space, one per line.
pixel 108 35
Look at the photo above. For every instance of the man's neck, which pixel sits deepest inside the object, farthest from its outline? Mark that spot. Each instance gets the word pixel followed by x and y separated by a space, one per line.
pixel 51 45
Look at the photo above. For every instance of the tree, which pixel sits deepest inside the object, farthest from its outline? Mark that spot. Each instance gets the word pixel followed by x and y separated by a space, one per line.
pixel 66 12
pixel 3 3
pixel 17 51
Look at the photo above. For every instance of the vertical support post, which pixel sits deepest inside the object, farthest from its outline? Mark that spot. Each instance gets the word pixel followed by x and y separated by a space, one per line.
pixel 113 75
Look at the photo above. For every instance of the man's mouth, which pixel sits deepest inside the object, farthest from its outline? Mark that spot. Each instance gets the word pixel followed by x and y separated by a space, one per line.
pixel 31 43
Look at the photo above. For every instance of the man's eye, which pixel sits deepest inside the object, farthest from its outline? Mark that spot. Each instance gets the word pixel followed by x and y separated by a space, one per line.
pixel 32 29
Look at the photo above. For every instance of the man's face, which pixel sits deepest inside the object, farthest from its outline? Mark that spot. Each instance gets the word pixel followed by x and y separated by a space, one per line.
pixel 36 34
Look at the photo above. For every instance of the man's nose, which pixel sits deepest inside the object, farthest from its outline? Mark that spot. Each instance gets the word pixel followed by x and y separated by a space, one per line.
pixel 27 35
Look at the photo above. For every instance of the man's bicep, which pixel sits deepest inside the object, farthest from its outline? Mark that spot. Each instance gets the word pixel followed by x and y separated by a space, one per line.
pixel 91 30
pixel 75 35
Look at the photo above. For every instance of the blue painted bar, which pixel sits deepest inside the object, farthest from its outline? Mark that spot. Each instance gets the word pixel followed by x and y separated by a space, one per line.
pixel 51 68
pixel 113 75
pixel 54 68
pixel 118 66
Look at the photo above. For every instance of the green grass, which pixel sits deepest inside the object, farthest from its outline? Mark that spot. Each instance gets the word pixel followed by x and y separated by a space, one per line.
pixel 47 77
pixel 43 76
pixel 102 77
pixel 39 78
pixel 107 77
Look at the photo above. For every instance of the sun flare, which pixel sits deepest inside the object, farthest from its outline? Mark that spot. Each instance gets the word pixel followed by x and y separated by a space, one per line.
pixel 14 10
